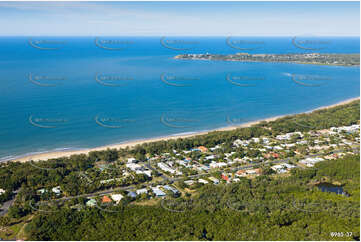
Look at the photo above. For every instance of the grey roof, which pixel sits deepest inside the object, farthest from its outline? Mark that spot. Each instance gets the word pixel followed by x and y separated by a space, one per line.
pixel 169 188
pixel 131 194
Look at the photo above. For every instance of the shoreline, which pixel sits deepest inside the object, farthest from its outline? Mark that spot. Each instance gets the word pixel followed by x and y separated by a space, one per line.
pixel 130 144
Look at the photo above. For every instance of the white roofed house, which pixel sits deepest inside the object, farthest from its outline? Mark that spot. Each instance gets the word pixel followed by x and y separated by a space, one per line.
pixel 288 145
pixel 179 173
pixel 189 182
pixel 282 168
pixel 133 166
pixel 198 167
pixel 230 162
pixel 239 160
pixel 132 160
pixel 210 157
pixel 256 140
pixel 158 192
pixel 56 190
pixel 215 147
pixel 147 173
pixel 166 168
pixel 282 137
pixel 141 191
pixel 310 162
pixel 288 136
pixel 107 181
pixel 91 202
pixel 181 162
pixel 348 129
pixel 239 142
pixel 268 147
pixel 42 191
pixel 347 142
pixel 217 164
pixel 202 181
pixel 279 168
pixel 229 154
pixel 289 166
pixel 184 163
pixel 265 140
pixel 117 197
pixel 214 180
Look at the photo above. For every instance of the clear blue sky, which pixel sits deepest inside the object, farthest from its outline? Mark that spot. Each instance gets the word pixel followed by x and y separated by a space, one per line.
pixel 180 18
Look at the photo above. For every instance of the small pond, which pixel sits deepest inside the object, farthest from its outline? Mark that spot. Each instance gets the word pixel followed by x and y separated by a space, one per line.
pixel 328 187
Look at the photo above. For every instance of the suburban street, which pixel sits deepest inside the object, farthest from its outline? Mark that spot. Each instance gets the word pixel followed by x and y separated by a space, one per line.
pixel 165 178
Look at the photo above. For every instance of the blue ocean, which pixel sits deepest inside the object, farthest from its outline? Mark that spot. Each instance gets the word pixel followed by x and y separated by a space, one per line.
pixel 81 92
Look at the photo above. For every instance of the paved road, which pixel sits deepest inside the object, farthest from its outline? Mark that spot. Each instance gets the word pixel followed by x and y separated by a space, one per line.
pixel 6 206
pixel 99 193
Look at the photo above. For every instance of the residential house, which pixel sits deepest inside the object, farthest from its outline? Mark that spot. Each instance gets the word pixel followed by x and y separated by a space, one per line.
pixel 203 149
pixel 202 181
pixel 214 180
pixel 255 140
pixel 241 173
pixel 288 136
pixel 166 168
pixel 117 197
pixel 131 194
pixel 141 191
pixel 170 188
pixel 56 190
pixel 217 164
pixel 256 171
pixel 310 162
pixel 91 202
pixel 210 157
pixel 42 191
pixel 106 199
pixel 158 192
pixel 145 172
pixel 271 154
pixel 133 166
pixel 189 182
pixel 225 177
pixel 132 160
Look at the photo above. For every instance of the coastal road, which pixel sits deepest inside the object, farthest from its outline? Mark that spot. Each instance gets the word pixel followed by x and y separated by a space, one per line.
pixel 165 178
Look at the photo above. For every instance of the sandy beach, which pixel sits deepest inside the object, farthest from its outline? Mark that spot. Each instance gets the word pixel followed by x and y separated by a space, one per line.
pixel 57 154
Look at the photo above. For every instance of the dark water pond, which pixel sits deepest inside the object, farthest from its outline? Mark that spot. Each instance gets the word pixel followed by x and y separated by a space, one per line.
pixel 328 187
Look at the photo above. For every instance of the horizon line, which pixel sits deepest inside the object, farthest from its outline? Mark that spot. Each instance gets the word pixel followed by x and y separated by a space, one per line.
pixel 314 36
